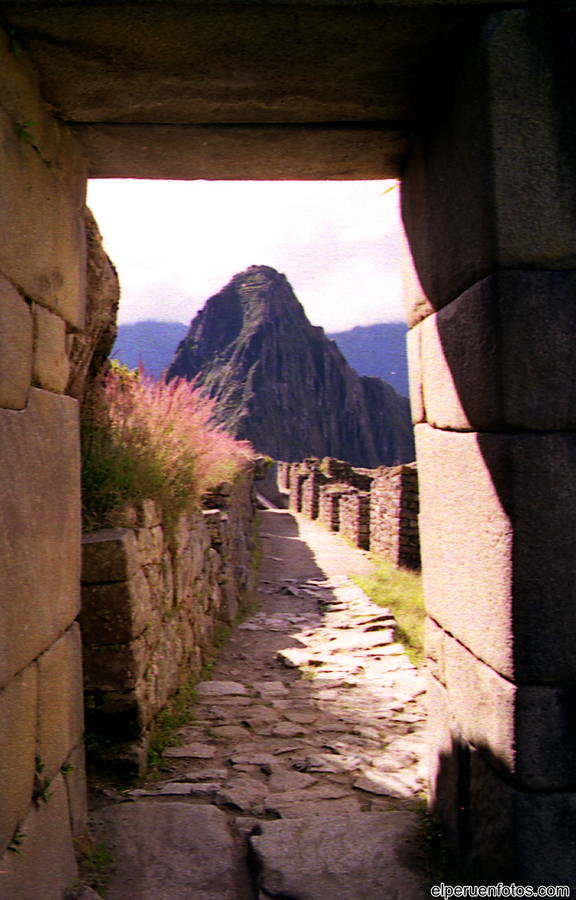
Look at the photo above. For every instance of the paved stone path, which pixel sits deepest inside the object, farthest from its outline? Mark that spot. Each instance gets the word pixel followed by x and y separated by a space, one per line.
pixel 297 777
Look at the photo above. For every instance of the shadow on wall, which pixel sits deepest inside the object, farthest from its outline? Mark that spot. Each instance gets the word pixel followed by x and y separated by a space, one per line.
pixel 493 341
pixel 496 830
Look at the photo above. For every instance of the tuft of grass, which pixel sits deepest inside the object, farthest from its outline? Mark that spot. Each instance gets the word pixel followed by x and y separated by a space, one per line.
pixel 172 717
pixel 435 855
pixel 95 862
pixel 41 792
pixel 153 440
pixel 401 591
pixel 15 845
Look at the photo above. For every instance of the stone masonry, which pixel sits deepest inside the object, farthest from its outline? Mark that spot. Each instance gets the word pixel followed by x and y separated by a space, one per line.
pixel 491 306
pixel 355 517
pixel 394 506
pixel 152 601
pixel 42 274
pixel 376 509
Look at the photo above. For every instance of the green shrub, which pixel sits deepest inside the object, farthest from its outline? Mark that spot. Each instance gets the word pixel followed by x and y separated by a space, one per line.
pixel 152 440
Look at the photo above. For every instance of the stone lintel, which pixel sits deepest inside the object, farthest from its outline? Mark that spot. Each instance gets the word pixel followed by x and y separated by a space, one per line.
pixel 342 151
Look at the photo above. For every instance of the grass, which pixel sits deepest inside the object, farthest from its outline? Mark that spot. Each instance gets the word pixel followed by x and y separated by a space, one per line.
pixel 401 591
pixel 177 712
pixel 172 717
pixel 95 861
pixel 155 440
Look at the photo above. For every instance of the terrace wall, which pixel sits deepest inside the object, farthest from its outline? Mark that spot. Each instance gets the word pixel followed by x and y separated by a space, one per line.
pixel 153 600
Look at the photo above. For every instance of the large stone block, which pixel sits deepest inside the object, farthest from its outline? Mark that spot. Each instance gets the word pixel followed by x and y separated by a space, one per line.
pixel 460 385
pixel 16 347
pixel 43 188
pixel 434 643
pixel 110 554
pixel 498 832
pixel 501 355
pixel 60 702
pixel 545 737
pixel 527 731
pixel 413 342
pixel 547 847
pixel 75 778
pixel 338 857
pixel 416 304
pixel 90 347
pixel 18 704
pixel 45 866
pixel 118 612
pixel 482 702
pixel 115 667
pixel 544 515
pixel 491 827
pixel 466 540
pixel 519 836
pixel 445 749
pixel 498 513
pixel 51 366
pixel 481 189
pixel 40 527
pixel 170 850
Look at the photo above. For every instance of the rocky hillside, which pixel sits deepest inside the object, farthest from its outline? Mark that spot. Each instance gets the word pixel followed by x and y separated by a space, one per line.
pixel 282 384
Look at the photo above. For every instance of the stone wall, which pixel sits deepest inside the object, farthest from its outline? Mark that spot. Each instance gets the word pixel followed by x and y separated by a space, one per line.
pixel 42 305
pixel 491 346
pixel 394 515
pixel 152 601
pixel 355 517
pixel 329 506
pixel 284 471
pixel 376 509
pixel 311 487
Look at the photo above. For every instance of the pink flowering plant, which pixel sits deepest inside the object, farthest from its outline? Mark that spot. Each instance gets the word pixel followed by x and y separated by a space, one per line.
pixel 153 440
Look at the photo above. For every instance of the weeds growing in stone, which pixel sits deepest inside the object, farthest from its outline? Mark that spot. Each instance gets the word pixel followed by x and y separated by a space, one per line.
pixel 153 440
pixel 172 717
pixel 15 845
pixel 401 591
pixel 95 862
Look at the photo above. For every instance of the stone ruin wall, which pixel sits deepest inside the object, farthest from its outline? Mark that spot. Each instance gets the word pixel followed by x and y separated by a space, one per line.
pixel 377 509
pixel 394 509
pixel 152 602
pixel 42 307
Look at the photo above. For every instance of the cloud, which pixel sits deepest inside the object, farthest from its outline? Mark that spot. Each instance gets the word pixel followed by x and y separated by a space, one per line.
pixel 177 243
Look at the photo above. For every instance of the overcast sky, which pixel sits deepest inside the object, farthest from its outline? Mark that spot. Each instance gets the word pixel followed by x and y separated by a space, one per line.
pixel 175 244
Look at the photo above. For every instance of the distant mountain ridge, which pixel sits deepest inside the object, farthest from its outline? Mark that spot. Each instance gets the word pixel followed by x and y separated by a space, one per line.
pixel 378 350
pixel 280 383
pixel 150 343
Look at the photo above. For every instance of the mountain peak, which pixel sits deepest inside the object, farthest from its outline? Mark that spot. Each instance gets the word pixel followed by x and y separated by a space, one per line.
pixel 281 383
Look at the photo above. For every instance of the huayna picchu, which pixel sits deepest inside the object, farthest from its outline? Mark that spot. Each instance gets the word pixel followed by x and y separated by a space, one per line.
pixel 280 383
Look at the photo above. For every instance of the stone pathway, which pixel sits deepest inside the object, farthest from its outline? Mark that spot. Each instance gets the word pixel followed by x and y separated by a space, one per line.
pixel 297 777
